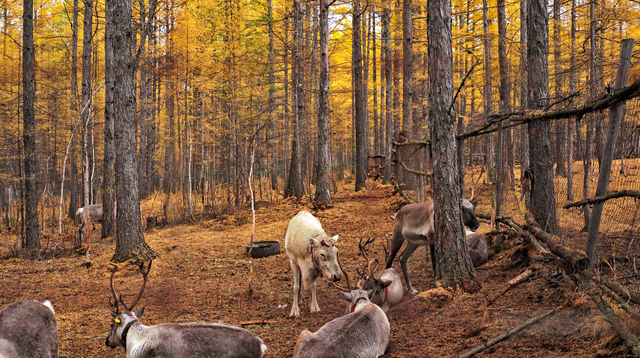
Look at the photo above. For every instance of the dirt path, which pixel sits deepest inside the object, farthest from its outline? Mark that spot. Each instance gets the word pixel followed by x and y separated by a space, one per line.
pixel 202 275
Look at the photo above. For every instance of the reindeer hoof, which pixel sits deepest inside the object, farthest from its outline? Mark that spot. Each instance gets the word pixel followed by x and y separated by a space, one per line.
pixel 413 291
pixel 315 308
pixel 295 312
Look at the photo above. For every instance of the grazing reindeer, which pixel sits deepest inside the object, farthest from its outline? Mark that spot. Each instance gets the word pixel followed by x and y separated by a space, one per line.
pixel 414 224
pixel 311 253
pixel 92 214
pixel 477 247
pixel 28 329
pixel 362 333
pixel 387 288
pixel 176 340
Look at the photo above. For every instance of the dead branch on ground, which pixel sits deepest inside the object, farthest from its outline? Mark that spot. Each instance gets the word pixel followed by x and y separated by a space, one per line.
pixel 511 284
pixel 508 334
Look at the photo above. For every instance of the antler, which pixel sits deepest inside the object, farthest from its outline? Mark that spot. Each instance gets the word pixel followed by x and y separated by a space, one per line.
pixel 118 298
pixel 113 301
pixel 371 264
pixel 473 194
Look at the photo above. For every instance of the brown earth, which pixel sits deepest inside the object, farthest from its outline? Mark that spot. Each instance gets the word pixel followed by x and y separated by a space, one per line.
pixel 202 274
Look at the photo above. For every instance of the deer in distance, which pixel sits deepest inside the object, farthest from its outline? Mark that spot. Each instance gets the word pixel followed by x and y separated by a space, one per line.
pixel 311 253
pixel 477 247
pixel 28 329
pixel 173 340
pixel 414 224
pixel 386 286
pixel 362 333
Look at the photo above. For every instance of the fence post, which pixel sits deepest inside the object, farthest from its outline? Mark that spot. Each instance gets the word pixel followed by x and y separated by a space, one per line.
pixel 615 118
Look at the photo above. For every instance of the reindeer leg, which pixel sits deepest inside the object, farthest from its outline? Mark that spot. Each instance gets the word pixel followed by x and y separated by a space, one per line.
pixel 408 251
pixel 313 307
pixel 396 244
pixel 295 311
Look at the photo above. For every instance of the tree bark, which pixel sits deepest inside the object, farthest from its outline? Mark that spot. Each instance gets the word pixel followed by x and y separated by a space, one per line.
pixel 561 140
pixel 572 89
pixel 73 190
pixel 488 96
pixel 374 65
pixel 130 242
pixel 31 234
pixel 86 103
pixel 388 72
pixel 272 104
pixel 616 115
pixel 542 201
pixel 524 92
pixel 453 264
pixel 505 89
pixel 360 102
pixel 323 186
pixel 294 183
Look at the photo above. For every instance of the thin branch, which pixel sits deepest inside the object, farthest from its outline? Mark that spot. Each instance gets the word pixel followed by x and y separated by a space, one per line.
pixel 522 117
pixel 598 199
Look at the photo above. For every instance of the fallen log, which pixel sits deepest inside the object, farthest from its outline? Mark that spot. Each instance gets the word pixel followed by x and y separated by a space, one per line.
pixel 248 323
pixel 577 258
pixel 508 334
pixel 630 339
pixel 528 237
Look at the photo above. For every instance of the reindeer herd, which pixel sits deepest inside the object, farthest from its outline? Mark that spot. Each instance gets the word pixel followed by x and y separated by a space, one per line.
pixel 29 329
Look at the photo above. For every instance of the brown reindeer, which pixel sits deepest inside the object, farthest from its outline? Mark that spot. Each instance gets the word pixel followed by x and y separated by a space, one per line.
pixel 414 224
pixel 176 339
pixel 362 333
pixel 28 329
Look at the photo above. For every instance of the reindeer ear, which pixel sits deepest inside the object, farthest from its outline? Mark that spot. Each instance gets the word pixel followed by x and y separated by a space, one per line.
pixel 139 312
pixel 313 242
pixel 334 239
pixel 385 283
pixel 475 202
pixel 346 296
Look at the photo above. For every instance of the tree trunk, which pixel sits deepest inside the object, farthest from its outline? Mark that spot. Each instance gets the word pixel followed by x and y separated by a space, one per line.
pixel 542 201
pixel 505 91
pixel 488 96
pixel 374 64
pixel 272 104
pixel 616 115
pixel 561 169
pixel 388 97
pixel 86 103
pixel 407 70
pixel 130 242
pixel 359 100
pixel 31 234
pixel 323 186
pixel 294 182
pixel 572 89
pixel 108 178
pixel 453 265
pixel 524 93
pixel 73 195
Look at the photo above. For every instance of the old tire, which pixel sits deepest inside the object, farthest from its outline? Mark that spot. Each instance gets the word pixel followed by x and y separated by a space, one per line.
pixel 263 248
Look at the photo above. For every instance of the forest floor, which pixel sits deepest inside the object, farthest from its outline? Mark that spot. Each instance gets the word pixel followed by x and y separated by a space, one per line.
pixel 203 274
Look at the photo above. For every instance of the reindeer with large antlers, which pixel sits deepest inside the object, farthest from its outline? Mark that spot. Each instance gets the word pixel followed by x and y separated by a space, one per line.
pixel 385 286
pixel 175 339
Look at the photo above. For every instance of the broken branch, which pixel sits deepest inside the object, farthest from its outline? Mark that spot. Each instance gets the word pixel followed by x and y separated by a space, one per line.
pixel 601 198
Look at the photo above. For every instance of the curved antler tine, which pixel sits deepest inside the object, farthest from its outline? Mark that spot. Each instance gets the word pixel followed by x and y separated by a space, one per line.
pixel 473 194
pixel 145 274
pixel 113 304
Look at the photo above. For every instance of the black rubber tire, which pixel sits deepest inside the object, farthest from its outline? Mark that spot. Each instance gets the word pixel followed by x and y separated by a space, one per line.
pixel 263 248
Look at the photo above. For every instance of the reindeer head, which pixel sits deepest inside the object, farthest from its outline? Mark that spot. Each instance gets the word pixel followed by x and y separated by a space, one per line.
pixel 469 212
pixel 354 297
pixel 324 254
pixel 122 321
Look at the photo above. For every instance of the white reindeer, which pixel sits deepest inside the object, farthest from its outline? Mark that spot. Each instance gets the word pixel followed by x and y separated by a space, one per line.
pixel 311 253
pixel 362 333
pixel 28 329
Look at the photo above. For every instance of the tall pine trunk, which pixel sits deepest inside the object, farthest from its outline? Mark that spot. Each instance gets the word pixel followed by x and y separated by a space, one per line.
pixel 294 182
pixel 130 242
pixel 362 143
pixel 453 265
pixel 542 201
pixel 388 97
pixel 108 175
pixel 31 234
pixel 323 188
pixel 86 104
